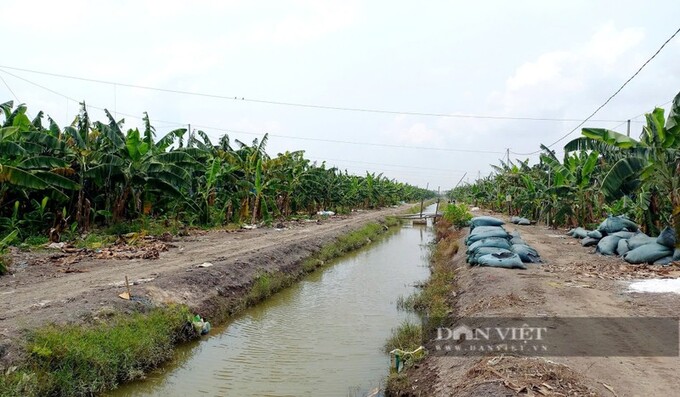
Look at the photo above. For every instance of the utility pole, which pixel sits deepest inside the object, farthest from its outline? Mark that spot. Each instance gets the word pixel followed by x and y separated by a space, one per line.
pixel 628 129
pixel 507 155
pixel 436 209
pixel 422 199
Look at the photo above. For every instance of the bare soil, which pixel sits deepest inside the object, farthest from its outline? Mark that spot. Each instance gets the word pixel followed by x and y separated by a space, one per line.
pixel 208 271
pixel 575 282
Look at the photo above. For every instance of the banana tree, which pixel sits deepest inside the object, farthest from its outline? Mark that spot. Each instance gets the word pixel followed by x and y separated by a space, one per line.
pixel 646 169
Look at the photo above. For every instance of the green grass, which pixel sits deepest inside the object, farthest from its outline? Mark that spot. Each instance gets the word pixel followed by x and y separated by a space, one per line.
pixel 36 241
pixel 349 242
pixel 408 336
pixel 86 359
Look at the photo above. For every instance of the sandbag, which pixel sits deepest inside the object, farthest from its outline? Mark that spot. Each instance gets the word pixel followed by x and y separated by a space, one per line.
pixel 526 253
pixel 481 251
pixel 622 247
pixel 667 237
pixel 665 261
pixel 490 234
pixel 676 254
pixel 515 219
pixel 647 253
pixel 623 234
pixel 514 233
pixel 640 239
pixel 485 221
pixel 517 240
pixel 607 245
pixel 489 242
pixel 482 229
pixel 580 232
pixel 615 224
pixel 571 232
pixel 589 241
pixel 595 234
pixel 505 260
pixel 524 222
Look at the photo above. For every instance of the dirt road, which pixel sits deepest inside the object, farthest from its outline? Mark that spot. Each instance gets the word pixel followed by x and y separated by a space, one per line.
pixel 48 288
pixel 573 282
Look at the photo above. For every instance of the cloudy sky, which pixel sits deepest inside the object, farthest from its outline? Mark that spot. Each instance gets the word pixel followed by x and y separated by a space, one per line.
pixel 535 59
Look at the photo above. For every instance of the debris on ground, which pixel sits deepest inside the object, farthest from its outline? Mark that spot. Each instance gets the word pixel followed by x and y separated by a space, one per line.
pixel 144 248
pixel 525 376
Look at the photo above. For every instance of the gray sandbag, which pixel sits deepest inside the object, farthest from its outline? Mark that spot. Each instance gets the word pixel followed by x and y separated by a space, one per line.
pixel 623 234
pixel 595 234
pixel 665 261
pixel 580 232
pixel 489 242
pixel 473 258
pixel 640 239
pixel 505 260
pixel 571 232
pixel 485 221
pixel 517 240
pixel 482 229
pixel 622 247
pixel 524 222
pixel 589 242
pixel 676 254
pixel 667 237
pixel 607 245
pixel 515 219
pixel 491 233
pixel 647 253
pixel 514 233
pixel 526 253
pixel 615 224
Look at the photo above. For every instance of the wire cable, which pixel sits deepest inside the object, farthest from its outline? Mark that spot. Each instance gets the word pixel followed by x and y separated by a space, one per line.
pixel 273 135
pixel 610 97
pixel 10 89
pixel 296 104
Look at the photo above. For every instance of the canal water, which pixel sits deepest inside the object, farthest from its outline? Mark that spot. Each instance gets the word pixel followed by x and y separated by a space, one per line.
pixel 322 336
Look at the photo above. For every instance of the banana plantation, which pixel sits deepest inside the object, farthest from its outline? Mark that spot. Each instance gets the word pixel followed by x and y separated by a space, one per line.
pixel 602 172
pixel 93 174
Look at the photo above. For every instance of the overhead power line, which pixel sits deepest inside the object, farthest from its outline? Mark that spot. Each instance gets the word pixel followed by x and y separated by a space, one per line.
pixel 272 135
pixel 296 104
pixel 611 96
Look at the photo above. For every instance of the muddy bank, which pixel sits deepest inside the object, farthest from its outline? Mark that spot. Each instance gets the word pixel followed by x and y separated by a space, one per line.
pixel 572 282
pixel 210 272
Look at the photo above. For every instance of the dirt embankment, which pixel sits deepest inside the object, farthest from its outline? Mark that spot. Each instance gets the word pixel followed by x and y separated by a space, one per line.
pixel 208 271
pixel 572 282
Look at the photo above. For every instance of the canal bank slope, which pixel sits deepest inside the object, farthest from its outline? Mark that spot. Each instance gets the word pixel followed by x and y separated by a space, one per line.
pixel 213 273
pixel 572 282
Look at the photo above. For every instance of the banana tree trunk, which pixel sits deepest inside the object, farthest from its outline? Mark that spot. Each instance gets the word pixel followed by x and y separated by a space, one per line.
pixel 255 208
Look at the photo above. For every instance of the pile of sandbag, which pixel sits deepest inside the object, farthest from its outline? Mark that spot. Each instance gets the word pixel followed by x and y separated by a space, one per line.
pixel 489 244
pixel 518 220
pixel 618 235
